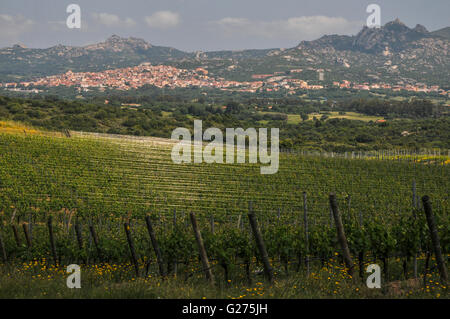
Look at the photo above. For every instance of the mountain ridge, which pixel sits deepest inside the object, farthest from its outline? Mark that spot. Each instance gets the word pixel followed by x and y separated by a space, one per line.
pixel 395 51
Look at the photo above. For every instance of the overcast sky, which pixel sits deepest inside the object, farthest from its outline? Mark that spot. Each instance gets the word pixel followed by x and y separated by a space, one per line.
pixel 204 24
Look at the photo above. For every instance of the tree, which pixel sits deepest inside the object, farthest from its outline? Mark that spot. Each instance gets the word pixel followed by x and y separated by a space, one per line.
pixel 304 116
pixel 233 107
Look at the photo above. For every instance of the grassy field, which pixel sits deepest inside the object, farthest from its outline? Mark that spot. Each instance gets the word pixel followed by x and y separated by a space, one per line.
pixel 11 127
pixel 105 181
pixel 38 280
pixel 296 118
pixel 348 116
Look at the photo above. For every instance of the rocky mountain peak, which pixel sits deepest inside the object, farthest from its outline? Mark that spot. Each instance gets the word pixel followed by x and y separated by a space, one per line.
pixel 114 38
pixel 395 35
pixel 117 43
pixel 421 29
pixel 397 21
pixel 396 26
pixel 19 46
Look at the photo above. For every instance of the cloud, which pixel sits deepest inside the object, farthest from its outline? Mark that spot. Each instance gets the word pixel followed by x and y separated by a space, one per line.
pixel 298 28
pixel 13 26
pixel 233 22
pixel 112 20
pixel 163 20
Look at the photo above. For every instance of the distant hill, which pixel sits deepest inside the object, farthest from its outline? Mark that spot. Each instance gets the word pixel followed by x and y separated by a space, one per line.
pixel 395 35
pixel 19 62
pixel 392 53
pixel 445 33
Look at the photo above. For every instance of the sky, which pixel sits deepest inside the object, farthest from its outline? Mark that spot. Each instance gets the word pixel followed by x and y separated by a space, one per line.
pixel 205 25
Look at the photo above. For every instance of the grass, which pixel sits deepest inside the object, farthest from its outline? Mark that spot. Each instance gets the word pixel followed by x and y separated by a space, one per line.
pixel 296 118
pixel 348 116
pixel 37 279
pixel 11 127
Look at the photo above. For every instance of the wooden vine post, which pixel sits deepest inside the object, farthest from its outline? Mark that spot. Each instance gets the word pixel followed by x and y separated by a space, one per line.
pixel 341 234
pixel 435 239
pixel 305 222
pixel 260 244
pixel 52 240
pixel 16 235
pixel 361 252
pixel 414 205
pixel 175 263
pixel 95 239
pixel 198 236
pixel 3 249
pixel 211 221
pixel 79 235
pixel 155 245
pixel 132 250
pixel 27 234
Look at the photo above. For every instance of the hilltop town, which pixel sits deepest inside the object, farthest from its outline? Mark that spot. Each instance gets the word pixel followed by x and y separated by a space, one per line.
pixel 164 76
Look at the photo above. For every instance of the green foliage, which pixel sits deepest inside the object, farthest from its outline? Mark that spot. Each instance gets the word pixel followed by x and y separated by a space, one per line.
pixel 159 116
